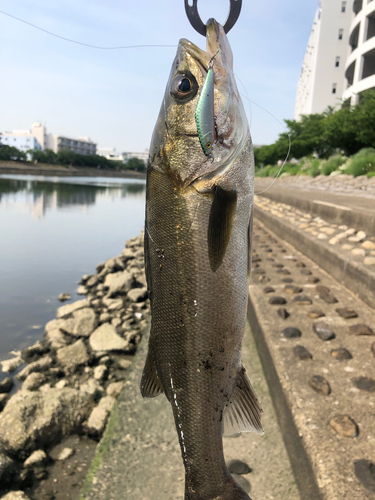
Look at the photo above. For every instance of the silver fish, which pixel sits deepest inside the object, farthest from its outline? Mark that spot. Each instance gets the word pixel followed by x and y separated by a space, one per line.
pixel 199 207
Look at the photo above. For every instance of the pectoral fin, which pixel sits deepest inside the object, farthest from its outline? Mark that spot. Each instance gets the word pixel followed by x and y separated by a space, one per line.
pixel 243 412
pixel 220 225
pixel 150 383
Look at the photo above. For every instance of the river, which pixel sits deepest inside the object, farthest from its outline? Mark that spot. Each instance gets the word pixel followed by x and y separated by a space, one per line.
pixel 52 231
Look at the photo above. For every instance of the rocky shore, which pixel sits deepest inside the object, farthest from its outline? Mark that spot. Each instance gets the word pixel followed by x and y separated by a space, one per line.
pixel 57 401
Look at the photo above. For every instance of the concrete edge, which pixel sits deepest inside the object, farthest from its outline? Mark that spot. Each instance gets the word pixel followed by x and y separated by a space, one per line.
pixel 299 460
pixel 334 214
pixel 348 272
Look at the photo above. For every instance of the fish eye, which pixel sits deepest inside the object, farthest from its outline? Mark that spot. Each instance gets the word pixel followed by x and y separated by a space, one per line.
pixel 208 145
pixel 184 87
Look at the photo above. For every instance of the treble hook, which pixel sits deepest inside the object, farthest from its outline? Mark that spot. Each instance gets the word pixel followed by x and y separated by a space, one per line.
pixel 197 23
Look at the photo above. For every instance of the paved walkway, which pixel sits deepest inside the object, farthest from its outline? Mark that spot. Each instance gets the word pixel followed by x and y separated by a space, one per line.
pixel 139 455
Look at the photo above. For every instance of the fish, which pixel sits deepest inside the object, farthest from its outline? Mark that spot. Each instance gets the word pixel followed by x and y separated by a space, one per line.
pixel 198 230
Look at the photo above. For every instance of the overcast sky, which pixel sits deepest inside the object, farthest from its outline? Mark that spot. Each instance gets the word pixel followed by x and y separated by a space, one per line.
pixel 114 96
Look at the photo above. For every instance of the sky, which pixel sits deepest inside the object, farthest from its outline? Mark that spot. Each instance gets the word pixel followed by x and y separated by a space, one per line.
pixel 114 96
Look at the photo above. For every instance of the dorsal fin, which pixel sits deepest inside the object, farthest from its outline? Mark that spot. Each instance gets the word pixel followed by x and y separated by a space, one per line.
pixel 243 411
pixel 220 225
pixel 150 382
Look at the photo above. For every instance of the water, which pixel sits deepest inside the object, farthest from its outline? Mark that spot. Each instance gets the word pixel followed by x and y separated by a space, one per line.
pixel 52 231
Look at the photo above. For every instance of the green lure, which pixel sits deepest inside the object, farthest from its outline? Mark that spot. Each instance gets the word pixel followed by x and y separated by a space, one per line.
pixel 204 114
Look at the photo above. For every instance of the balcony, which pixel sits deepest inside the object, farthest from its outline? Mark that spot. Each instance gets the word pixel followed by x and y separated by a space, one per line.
pixel 368 64
pixel 353 40
pixel 349 74
pixel 357 6
pixel 370 31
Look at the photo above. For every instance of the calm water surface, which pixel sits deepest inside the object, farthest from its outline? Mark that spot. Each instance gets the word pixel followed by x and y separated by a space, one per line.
pixel 52 231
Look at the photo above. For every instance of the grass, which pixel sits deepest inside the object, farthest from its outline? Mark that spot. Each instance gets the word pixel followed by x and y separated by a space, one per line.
pixel 362 163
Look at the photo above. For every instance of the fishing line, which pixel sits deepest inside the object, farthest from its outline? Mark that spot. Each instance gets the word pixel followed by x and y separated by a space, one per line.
pixel 78 42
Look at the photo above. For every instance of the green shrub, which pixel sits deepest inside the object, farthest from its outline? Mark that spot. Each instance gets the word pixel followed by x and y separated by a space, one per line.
pixel 371 174
pixel 361 163
pixel 332 164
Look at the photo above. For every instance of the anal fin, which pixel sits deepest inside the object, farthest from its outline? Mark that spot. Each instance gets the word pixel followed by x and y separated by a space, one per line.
pixel 243 411
pixel 150 382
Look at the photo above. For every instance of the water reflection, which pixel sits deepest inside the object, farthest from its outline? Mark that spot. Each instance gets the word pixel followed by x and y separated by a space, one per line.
pixel 41 196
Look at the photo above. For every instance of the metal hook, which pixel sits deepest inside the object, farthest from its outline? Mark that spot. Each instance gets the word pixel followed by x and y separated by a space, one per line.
pixel 197 23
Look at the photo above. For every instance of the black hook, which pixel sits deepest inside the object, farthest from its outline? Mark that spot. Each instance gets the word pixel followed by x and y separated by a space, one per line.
pixel 197 23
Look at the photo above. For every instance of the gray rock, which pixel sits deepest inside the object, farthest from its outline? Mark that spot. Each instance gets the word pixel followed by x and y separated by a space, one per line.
pixel 15 495
pixel 81 324
pixel 301 352
pixel 99 416
pixel 114 389
pixel 34 381
pixel 82 290
pixel 124 364
pixel 118 282
pixel 323 331
pixel 238 467
pixel 364 384
pixel 93 388
pixel 315 314
pixel 6 385
pixel 283 313
pixel 70 308
pixel 277 301
pixel 347 312
pixel 360 330
pixel 113 304
pixel 107 402
pixel 56 338
pixel 92 281
pixel 344 426
pixel 302 300
pixel 116 322
pixel 36 349
pixel 138 294
pixel 3 400
pixel 365 472
pixel 320 384
pixel 65 454
pixel 106 339
pixel 72 356
pixel 64 296
pixel 127 254
pixel 41 365
pixel 290 332
pixel 341 354
pixel 9 365
pixel 105 317
pixel 37 458
pixel 7 465
pixel 100 372
pixel 41 418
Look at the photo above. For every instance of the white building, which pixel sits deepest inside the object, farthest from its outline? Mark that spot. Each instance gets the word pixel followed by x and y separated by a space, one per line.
pixel 360 64
pixel 82 145
pixel 141 156
pixel 20 139
pixel 109 153
pixel 322 83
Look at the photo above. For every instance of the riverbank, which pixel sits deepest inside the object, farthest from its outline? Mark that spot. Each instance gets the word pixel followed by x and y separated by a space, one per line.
pixel 55 403
pixel 14 167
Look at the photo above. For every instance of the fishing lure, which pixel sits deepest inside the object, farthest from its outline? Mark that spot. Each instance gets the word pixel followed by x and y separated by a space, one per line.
pixel 204 114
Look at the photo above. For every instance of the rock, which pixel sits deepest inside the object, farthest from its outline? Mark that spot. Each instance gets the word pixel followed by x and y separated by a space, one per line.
pixel 104 318
pixel 373 349
pixel 315 314
pixel 365 473
pixel 64 296
pixel 106 339
pixel 305 272
pixel 82 290
pixel 6 385
pixel 107 402
pixel 93 388
pixel 322 236
pixel 369 261
pixel 341 236
pixel 238 467
pixel 320 384
pixel 36 349
pixel 354 239
pixel 70 308
pixel 346 246
pixel 312 279
pixel 341 354
pixel 360 330
pixel 124 364
pixel 323 331
pixel 100 372
pixel 9 365
pixel 359 251
pixel 361 235
pixel 34 381
pixel 127 254
pixel 350 231
pixel 37 458
pixel 301 352
pixel 41 365
pixel 268 289
pixel 61 383
pixel 292 289
pixel 113 304
pixel 99 416
pixel 283 313
pixel 65 454
pixel 302 300
pixel 368 245
pixel 7 466
pixel 138 294
pixel 277 301
pixel 328 297
pixel 114 389
pixel 364 384
pixel 116 322
pixel 118 283
pixel 344 426
pixel 333 241
pixel 92 281
pixel 346 312
pixel 56 338
pixel 81 324
pixel 105 360
pixel 73 355
pixel 290 332
pixel 300 264
pixel 41 418
pixel 283 271
pixel 3 400
pixel 15 495
pixel 287 280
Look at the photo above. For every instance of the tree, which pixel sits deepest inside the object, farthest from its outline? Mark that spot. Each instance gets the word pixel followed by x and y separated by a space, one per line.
pixel 135 164
pixel 11 153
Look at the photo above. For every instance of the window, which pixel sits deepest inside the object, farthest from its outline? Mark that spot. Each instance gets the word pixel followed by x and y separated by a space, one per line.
pixel 341 32
pixel 343 7
pixel 334 87
pixel 337 62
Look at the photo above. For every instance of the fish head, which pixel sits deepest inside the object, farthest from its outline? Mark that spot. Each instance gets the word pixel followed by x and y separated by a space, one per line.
pixel 175 146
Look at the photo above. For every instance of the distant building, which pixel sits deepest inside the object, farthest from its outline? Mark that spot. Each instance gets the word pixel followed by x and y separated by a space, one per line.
pixel 322 80
pixel 141 156
pixel 20 139
pixel 109 153
pixel 360 64
pixel 82 145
